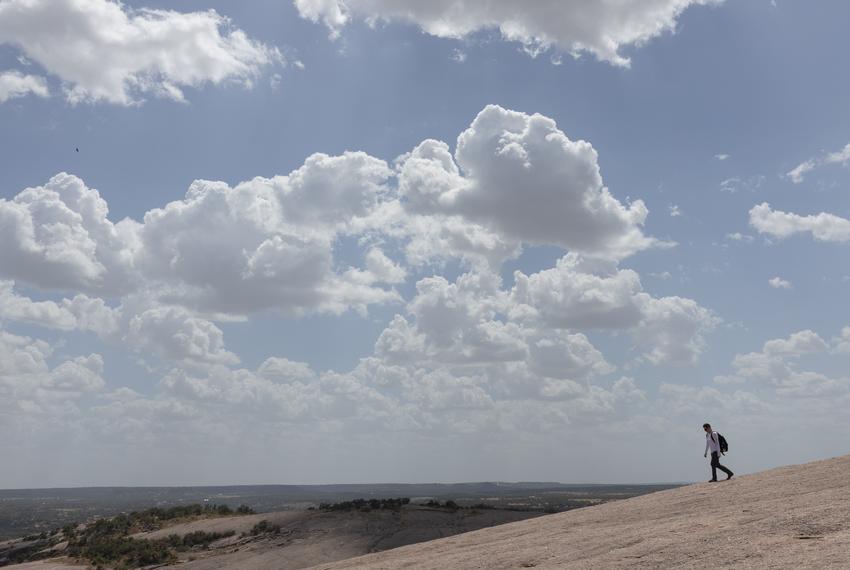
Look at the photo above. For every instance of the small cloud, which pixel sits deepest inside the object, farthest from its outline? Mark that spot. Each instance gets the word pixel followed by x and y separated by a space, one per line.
pixel 736 184
pixel 796 175
pixel 458 56
pixel 738 236
pixel 674 211
pixel 838 157
pixel 275 80
pixel 556 59
pixel 779 283
pixel 721 156
pixel 664 275
pixel 299 64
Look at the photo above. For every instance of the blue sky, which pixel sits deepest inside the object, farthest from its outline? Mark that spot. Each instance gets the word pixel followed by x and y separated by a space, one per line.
pixel 331 326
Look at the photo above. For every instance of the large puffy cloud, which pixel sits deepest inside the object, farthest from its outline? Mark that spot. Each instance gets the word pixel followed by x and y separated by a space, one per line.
pixel 15 307
pixel 58 236
pixel 15 84
pixel 577 294
pixel 776 367
pixel 520 177
pixel 568 296
pixel 80 313
pixel 103 50
pixel 30 386
pixel 822 226
pixel 464 355
pixel 461 335
pixel 176 336
pixel 431 239
pixel 773 364
pixel 575 26
pixel 268 243
pixel 454 323
pixel 673 329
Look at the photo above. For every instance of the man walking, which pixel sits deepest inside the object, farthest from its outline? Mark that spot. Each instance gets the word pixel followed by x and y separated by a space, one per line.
pixel 712 443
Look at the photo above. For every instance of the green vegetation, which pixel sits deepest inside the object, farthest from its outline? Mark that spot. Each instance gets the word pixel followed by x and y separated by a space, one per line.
pixel 265 527
pixel 107 542
pixel 151 519
pixel 450 505
pixel 197 538
pixel 366 505
pixel 120 551
pixel 26 553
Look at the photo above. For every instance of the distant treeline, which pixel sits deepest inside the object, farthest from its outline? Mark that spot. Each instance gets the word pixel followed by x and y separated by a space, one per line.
pixel 157 514
pixel 394 505
pixel 366 504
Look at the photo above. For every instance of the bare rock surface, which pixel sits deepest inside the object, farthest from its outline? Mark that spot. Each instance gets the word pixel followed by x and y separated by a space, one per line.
pixel 790 517
pixel 314 537
pixel 306 538
pixel 53 564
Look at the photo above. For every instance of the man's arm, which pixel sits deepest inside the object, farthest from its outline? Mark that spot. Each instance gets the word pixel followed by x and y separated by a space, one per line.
pixel 705 454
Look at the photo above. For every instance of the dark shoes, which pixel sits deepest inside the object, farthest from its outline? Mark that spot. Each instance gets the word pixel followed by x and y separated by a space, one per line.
pixel 727 478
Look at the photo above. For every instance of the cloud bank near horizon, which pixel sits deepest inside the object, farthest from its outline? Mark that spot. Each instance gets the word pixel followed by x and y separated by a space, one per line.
pixel 462 355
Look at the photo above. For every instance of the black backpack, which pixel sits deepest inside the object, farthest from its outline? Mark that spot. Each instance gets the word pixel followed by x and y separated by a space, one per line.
pixel 721 441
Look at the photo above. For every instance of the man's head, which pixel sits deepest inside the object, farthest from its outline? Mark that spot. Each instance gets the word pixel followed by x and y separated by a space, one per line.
pixel 706 427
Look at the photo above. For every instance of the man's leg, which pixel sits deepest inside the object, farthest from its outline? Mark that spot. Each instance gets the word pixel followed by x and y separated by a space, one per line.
pixel 724 469
pixel 715 461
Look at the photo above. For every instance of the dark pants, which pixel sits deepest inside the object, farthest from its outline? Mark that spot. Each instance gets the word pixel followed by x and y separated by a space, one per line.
pixel 715 465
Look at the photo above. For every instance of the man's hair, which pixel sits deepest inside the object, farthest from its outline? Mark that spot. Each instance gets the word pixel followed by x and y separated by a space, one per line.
pixel 706 425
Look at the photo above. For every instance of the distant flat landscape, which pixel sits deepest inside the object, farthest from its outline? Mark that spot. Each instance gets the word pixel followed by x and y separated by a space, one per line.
pixel 27 511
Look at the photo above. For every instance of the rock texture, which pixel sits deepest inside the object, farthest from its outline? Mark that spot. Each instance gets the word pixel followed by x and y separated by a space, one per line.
pixel 790 517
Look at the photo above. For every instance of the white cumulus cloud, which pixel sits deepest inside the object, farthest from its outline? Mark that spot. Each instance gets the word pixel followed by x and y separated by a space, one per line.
pixel 15 84
pixel 575 294
pixel 33 389
pixel 79 313
pixel 777 369
pixel 58 236
pixel 574 26
pixel 267 243
pixel 519 176
pixel 822 226
pixel 178 337
pixel 103 50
